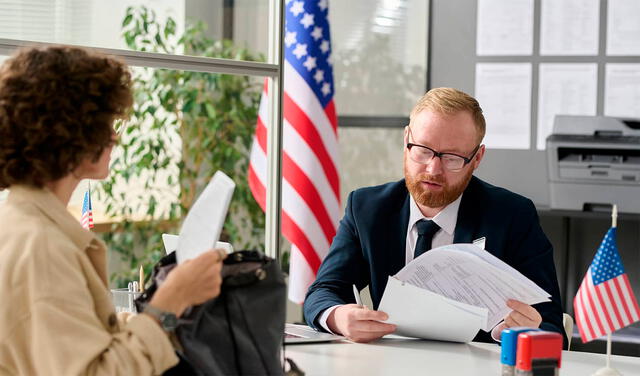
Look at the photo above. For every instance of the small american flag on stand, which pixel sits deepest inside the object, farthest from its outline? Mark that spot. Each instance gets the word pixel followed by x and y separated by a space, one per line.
pixel 605 301
pixel 87 213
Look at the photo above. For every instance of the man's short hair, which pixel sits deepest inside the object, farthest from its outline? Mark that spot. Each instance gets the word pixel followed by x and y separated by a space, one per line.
pixel 446 100
pixel 57 108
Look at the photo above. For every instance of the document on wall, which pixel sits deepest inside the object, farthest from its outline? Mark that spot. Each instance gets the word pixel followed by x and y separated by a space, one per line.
pixel 569 27
pixel 622 90
pixel 460 278
pixel 202 226
pixel 504 89
pixel 565 89
pixel 504 27
pixel 623 27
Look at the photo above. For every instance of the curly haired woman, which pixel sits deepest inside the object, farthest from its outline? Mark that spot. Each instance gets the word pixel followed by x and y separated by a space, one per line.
pixel 57 108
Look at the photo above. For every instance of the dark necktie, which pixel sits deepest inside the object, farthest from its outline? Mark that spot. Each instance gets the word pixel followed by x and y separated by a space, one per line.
pixel 426 230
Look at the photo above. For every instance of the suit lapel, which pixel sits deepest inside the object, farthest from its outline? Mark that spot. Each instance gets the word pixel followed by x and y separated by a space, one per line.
pixel 399 236
pixel 389 240
pixel 465 231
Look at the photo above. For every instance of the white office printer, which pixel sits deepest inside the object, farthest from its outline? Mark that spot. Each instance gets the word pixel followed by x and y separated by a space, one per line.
pixel 593 162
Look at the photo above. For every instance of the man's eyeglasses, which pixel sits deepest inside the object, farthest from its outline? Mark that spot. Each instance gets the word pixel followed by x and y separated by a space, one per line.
pixel 424 154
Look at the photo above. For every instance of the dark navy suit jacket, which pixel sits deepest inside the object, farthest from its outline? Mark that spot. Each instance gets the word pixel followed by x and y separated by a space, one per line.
pixel 371 239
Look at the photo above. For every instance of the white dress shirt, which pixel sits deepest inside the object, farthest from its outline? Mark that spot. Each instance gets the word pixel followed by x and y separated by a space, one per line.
pixel 446 219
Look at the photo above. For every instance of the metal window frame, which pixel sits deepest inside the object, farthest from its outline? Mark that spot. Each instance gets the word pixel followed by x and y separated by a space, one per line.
pixel 273 70
pixel 163 61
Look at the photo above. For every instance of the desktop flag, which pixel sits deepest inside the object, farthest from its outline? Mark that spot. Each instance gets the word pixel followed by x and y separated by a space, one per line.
pixel 605 301
pixel 311 186
pixel 87 213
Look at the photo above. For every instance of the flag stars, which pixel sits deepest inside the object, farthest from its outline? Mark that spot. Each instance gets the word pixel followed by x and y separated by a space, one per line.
pixel 322 4
pixel 300 50
pixel 326 89
pixel 297 8
pixel 307 20
pixel 310 63
pixel 319 76
pixel 316 33
pixel 324 46
pixel 290 38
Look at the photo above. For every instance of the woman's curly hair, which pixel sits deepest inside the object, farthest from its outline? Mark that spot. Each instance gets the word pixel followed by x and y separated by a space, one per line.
pixel 57 108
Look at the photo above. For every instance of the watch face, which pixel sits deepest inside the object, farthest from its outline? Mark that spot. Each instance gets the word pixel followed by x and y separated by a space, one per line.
pixel 169 322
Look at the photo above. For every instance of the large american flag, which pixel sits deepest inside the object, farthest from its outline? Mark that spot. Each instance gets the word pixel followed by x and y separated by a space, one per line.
pixel 605 301
pixel 86 220
pixel 311 186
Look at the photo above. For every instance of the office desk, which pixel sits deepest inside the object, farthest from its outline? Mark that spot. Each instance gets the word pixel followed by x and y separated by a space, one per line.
pixel 417 357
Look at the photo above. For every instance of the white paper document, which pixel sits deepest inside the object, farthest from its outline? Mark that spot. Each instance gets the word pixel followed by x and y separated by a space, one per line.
pixel 565 89
pixel 504 89
pixel 623 27
pixel 420 313
pixel 504 27
pixel 622 90
pixel 171 244
pixel 461 278
pixel 569 27
pixel 202 226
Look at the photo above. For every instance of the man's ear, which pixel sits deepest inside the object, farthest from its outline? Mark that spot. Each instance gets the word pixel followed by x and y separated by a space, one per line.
pixel 406 136
pixel 478 157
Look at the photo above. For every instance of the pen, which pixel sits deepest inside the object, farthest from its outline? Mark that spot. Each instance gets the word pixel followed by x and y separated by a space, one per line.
pixel 141 279
pixel 356 294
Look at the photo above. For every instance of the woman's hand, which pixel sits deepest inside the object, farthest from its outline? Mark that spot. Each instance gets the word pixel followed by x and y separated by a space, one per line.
pixel 190 283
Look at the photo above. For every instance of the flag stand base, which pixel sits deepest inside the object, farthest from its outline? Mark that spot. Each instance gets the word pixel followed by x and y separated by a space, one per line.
pixel 607 371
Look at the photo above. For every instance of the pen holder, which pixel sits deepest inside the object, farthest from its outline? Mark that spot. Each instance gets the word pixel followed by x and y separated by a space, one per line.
pixel 124 300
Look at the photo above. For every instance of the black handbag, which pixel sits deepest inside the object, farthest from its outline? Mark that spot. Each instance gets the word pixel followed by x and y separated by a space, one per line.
pixel 240 332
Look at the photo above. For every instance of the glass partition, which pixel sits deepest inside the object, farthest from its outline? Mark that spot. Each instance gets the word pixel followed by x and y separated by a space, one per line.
pixel 185 126
pixel 380 55
pixel 186 123
pixel 99 23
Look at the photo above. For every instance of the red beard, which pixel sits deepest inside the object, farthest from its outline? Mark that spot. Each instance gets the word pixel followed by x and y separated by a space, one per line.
pixel 431 199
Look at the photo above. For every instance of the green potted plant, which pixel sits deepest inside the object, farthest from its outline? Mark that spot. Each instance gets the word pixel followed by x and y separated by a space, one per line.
pixel 184 127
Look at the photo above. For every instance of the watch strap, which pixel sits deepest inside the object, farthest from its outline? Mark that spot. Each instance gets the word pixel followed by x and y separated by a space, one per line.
pixel 168 320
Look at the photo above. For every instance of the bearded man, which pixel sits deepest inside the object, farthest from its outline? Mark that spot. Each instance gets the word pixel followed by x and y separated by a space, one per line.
pixel 439 202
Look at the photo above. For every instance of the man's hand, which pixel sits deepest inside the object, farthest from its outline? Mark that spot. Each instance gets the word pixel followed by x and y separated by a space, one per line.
pixel 358 323
pixel 522 315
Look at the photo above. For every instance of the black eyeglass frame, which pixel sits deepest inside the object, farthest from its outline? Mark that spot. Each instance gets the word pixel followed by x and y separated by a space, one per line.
pixel 440 154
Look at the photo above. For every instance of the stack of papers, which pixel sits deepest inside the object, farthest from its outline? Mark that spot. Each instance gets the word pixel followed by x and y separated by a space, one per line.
pixel 451 292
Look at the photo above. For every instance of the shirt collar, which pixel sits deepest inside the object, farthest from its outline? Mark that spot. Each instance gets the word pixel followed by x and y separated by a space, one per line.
pixel 446 218
pixel 53 208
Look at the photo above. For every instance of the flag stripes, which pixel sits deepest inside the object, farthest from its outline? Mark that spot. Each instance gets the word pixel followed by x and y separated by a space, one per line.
pixel 311 183
pixel 86 219
pixel 296 148
pixel 604 308
pixel 318 197
pixel 292 207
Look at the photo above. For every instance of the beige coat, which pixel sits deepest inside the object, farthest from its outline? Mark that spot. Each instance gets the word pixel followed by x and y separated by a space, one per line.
pixel 56 314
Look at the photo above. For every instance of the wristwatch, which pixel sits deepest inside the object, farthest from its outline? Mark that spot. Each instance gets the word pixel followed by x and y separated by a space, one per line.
pixel 168 321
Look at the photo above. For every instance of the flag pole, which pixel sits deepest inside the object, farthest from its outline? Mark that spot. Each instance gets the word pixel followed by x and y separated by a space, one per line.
pixel 614 216
pixel 608 371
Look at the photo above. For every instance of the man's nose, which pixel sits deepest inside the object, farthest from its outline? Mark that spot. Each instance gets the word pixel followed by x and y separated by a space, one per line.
pixel 434 166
